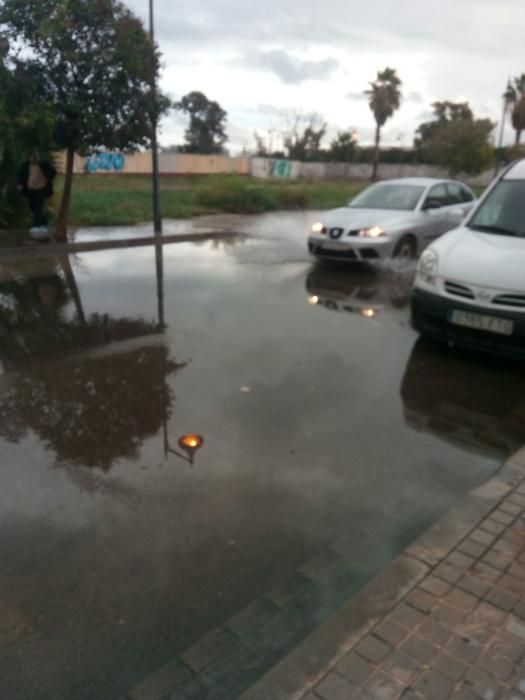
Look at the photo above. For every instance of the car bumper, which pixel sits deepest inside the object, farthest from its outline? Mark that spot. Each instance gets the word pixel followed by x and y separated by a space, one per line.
pixel 360 249
pixel 431 317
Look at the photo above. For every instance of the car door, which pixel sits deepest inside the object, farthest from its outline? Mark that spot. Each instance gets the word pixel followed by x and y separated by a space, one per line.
pixel 435 209
pixel 461 202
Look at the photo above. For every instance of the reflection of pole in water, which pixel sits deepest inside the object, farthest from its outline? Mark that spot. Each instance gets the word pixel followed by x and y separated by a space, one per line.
pixel 72 283
pixel 159 268
pixel 159 274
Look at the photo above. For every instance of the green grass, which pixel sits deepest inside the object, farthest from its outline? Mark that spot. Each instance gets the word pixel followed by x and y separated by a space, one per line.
pixel 120 200
pixel 113 207
pixel 113 200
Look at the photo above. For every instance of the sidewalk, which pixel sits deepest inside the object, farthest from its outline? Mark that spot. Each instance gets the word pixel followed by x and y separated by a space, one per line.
pixel 444 621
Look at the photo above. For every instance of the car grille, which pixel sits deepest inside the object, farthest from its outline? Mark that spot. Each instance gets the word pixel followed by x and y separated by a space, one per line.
pixel 337 232
pixel 459 290
pixel 516 300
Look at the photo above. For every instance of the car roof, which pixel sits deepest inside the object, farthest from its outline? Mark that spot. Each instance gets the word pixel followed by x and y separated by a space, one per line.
pixel 516 171
pixel 420 181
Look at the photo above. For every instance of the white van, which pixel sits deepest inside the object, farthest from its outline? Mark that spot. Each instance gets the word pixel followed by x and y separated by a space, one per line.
pixel 470 283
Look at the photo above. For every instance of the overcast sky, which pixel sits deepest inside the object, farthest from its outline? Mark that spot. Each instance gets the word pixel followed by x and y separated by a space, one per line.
pixel 264 60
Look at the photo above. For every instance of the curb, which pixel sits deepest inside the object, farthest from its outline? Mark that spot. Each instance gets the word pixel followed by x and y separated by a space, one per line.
pixel 304 667
pixel 53 248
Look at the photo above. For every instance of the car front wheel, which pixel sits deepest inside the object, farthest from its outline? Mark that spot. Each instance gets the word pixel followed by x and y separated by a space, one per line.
pixel 405 249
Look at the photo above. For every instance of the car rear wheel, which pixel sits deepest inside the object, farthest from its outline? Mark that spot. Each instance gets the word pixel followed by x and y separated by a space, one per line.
pixel 405 249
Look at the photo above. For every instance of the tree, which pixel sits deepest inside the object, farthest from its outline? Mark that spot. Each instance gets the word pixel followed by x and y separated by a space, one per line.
pixel 384 98
pixel 456 140
pixel 206 132
pixel 514 97
pixel 445 112
pixel 343 148
pixel 518 119
pixel 23 125
pixel 95 64
pixel 303 137
pixel 261 150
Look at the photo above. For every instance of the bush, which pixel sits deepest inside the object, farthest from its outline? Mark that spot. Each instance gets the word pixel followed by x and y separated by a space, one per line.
pixel 292 198
pixel 14 212
pixel 236 196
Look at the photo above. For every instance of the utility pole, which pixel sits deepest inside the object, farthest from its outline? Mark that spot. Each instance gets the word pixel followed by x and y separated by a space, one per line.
pixel 157 217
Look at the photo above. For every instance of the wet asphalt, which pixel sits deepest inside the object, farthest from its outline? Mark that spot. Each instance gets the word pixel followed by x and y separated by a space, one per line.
pixel 333 438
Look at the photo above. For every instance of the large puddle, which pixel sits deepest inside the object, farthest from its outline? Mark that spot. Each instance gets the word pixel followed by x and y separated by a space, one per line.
pixel 331 441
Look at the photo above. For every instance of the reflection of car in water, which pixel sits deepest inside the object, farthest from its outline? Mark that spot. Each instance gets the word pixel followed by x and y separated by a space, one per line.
pixel 474 403
pixel 358 291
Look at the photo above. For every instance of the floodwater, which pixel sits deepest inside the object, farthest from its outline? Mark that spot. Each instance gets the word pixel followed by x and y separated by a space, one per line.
pixel 332 439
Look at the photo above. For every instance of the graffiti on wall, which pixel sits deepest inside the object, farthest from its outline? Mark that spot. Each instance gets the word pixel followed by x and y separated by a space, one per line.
pixel 105 161
pixel 280 168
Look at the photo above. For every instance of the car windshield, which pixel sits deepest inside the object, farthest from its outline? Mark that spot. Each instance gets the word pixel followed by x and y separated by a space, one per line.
pixel 385 196
pixel 503 212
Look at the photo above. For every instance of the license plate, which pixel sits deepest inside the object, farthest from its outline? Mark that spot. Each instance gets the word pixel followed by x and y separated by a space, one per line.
pixel 482 323
pixel 335 245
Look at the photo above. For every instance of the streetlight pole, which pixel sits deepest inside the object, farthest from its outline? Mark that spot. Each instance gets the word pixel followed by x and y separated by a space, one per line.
pixel 157 217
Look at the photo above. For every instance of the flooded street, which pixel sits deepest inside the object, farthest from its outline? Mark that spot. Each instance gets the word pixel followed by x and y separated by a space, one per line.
pixel 332 439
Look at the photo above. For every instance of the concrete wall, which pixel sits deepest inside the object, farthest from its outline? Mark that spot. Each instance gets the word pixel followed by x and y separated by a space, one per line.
pixel 267 168
pixel 187 164
pixel 169 164
pixel 263 168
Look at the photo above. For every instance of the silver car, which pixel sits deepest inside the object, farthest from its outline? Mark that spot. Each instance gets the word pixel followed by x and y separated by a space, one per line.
pixel 394 218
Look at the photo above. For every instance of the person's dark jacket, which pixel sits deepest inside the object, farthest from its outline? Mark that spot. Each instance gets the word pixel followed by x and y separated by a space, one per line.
pixel 49 173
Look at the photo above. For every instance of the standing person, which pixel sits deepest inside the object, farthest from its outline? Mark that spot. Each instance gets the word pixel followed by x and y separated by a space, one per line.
pixel 35 181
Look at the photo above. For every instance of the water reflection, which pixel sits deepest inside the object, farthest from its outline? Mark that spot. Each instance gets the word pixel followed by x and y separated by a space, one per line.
pixel 367 293
pixel 32 299
pixel 474 403
pixel 189 444
pixel 292 499
pixel 92 388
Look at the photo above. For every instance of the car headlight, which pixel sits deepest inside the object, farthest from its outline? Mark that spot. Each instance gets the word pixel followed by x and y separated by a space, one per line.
pixel 427 267
pixel 372 232
pixel 368 313
pixel 317 228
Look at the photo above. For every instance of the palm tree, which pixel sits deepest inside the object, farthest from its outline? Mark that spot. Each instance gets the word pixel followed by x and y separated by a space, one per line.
pixel 514 97
pixel 384 99
pixel 518 118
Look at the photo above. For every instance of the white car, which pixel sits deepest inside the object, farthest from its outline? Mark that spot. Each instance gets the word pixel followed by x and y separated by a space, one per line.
pixel 470 285
pixel 394 218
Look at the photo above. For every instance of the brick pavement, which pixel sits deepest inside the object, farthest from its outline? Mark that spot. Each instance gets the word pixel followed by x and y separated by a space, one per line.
pixel 459 634
pixel 445 619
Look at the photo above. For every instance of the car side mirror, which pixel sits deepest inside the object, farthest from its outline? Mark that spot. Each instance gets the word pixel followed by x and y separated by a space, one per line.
pixel 458 214
pixel 432 203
